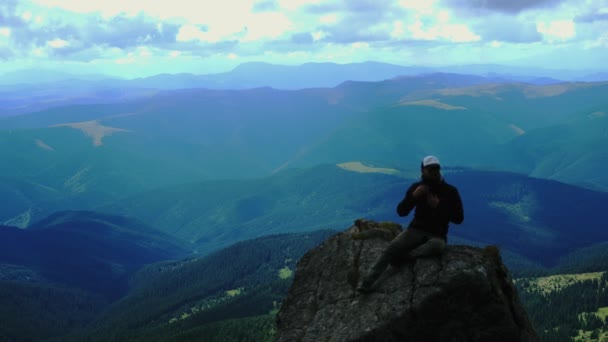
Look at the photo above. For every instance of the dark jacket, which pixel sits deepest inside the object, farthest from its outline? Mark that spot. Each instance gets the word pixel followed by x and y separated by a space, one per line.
pixel 433 220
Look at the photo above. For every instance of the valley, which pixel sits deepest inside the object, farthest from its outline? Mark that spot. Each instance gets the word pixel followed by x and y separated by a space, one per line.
pixel 178 213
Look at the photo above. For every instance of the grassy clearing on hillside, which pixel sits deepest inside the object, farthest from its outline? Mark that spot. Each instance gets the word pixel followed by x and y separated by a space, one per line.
pixel 93 129
pixel 529 91
pixel 546 285
pixel 589 336
pixel 285 273
pixel 517 129
pixel 432 103
pixel 361 168
pixel 22 220
pixel 43 145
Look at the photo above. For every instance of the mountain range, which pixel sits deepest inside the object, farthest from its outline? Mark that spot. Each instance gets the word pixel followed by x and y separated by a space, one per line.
pixel 82 156
pixel 176 207
pixel 26 90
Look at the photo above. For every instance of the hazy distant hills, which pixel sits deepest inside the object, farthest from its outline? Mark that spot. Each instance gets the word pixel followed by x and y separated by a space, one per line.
pixel 308 75
pixel 18 99
pixel 258 74
pixel 30 90
pixel 108 151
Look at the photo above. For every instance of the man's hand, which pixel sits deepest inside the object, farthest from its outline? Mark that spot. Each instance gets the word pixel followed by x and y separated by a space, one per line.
pixel 421 191
pixel 433 200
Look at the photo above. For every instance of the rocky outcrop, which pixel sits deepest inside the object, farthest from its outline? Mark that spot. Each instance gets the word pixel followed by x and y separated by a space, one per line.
pixel 464 295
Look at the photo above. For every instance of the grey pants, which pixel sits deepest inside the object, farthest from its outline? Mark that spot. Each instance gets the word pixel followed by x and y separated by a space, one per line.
pixel 409 244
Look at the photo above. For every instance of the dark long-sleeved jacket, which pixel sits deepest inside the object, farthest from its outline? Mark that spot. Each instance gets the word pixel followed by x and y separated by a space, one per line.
pixel 433 220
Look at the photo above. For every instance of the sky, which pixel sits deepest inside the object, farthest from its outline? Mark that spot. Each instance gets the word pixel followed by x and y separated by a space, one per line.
pixel 134 38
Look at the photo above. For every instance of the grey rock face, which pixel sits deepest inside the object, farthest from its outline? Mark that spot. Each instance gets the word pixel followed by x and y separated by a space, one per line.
pixel 464 295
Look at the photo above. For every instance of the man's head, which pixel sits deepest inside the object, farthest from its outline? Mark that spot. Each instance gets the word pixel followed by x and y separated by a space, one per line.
pixel 430 169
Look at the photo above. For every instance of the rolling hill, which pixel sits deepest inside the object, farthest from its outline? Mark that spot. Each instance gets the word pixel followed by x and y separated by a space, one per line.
pixel 62 271
pixel 538 219
pixel 200 297
pixel 90 251
pixel 194 134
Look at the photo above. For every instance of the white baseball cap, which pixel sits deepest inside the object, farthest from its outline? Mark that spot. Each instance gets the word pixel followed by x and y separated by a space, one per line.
pixel 430 160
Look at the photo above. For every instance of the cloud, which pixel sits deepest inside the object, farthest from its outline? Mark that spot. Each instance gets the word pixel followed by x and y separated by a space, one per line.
pixel 507 29
pixel 592 17
pixel 592 11
pixel 191 32
pixel 374 22
pixel 123 31
pixel 265 6
pixel 451 32
pixel 8 18
pixel 502 6
pixel 5 53
pixel 352 6
pixel 302 38
pixel 557 29
pixel 61 30
pixel 5 31
pixel 357 21
pixel 58 43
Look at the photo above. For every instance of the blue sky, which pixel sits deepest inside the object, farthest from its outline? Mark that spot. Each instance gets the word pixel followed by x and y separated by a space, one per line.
pixel 135 38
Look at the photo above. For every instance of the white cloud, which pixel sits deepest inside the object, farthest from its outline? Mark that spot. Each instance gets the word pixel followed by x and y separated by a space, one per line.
pixel 57 43
pixel 365 30
pixel 557 29
pixel 426 7
pixel 191 32
pixel 266 25
pixel 250 27
pixel 129 59
pixel 495 44
pixel 398 29
pixel 106 8
pixel 360 45
pixel 458 33
pixel 38 52
pixel 293 5
pixel 328 18
pixel 27 15
pixel 600 42
pixel 443 16
pixel 144 51
pixel 318 35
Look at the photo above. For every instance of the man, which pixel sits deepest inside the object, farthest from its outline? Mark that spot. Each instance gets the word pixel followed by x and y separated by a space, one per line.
pixel 437 204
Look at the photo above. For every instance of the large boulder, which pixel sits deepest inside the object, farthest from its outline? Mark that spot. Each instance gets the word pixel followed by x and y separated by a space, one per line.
pixel 464 295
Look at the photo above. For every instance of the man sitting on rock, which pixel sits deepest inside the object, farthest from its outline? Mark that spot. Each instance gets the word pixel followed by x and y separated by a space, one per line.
pixel 437 204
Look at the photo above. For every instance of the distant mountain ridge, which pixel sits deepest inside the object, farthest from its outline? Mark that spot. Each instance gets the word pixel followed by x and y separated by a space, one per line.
pixel 307 75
